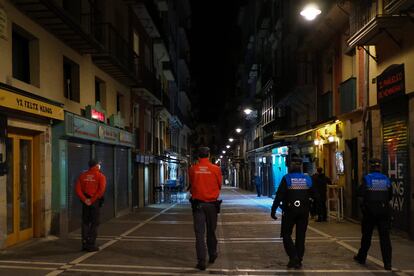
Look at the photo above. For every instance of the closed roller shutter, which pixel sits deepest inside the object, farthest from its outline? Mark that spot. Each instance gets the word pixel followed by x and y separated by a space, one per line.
pixel 78 158
pixel 105 154
pixel 396 159
pixel 122 178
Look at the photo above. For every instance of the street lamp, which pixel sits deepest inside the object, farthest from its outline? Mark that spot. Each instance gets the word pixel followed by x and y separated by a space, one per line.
pixel 231 140
pixel 310 12
pixel 228 146
pixel 223 151
pixel 238 130
pixel 247 111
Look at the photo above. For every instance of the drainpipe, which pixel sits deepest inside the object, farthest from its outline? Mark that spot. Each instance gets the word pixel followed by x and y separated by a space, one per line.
pixel 367 139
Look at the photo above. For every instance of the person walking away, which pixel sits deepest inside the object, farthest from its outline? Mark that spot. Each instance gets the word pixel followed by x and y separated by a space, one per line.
pixel 90 188
pixel 294 192
pixel 376 193
pixel 321 181
pixel 258 184
pixel 205 185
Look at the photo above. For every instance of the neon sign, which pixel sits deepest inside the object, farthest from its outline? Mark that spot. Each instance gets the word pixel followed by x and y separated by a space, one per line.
pixel 100 116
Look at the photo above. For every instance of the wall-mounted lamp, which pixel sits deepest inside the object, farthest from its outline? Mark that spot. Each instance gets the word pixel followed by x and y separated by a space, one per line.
pixel 316 142
pixel 331 138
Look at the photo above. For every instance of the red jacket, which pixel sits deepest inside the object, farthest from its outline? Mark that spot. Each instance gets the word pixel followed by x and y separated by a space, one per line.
pixel 91 184
pixel 205 180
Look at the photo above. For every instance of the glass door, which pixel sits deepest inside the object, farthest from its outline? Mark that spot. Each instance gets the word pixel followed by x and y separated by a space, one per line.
pixel 19 151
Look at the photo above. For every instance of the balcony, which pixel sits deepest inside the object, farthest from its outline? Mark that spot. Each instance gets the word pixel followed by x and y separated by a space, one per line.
pixel 347 94
pixel 367 27
pixel 117 57
pixel 325 110
pixel 72 23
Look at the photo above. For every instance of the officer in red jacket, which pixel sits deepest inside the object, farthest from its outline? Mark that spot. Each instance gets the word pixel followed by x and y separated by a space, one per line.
pixel 205 180
pixel 90 188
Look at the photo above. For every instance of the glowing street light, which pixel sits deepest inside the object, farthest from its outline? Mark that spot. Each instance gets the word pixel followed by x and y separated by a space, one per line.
pixel 221 156
pixel 247 111
pixel 238 130
pixel 231 140
pixel 223 151
pixel 310 12
pixel 228 146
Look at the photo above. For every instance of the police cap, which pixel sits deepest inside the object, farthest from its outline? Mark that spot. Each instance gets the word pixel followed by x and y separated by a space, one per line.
pixel 375 162
pixel 295 160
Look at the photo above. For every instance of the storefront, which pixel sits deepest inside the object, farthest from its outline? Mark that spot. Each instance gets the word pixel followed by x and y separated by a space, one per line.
pixel 25 164
pixel 329 151
pixel 395 152
pixel 75 142
pixel 279 167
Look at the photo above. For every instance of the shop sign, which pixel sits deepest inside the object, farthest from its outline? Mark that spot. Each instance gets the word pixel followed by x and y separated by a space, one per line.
pixel 391 83
pixel 84 128
pixel 107 133
pixel 22 103
pixel 3 23
pixel 126 137
pixel 96 112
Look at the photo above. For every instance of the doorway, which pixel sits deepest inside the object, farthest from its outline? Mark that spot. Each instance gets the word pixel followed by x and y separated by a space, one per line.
pixel 352 149
pixel 19 197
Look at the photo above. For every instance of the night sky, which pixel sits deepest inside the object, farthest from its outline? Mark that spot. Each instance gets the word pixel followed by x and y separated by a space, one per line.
pixel 215 47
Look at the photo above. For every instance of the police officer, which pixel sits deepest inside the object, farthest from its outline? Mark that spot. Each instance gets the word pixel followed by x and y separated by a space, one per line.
pixel 295 191
pixel 376 192
pixel 90 188
pixel 205 184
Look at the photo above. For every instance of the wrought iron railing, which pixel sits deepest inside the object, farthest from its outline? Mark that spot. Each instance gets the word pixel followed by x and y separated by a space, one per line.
pixel 117 47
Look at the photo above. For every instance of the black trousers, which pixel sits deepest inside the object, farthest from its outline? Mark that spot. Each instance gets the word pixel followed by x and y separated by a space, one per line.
pixel 205 217
pixel 382 221
pixel 321 208
pixel 295 250
pixel 259 189
pixel 90 223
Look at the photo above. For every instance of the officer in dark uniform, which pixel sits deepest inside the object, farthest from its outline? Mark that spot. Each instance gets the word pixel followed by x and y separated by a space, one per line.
pixel 295 191
pixel 376 192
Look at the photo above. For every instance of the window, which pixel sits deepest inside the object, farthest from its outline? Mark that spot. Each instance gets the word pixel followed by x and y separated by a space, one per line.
pixel 119 102
pixel 25 56
pixel 136 115
pixel 136 43
pixel 71 80
pixel 100 89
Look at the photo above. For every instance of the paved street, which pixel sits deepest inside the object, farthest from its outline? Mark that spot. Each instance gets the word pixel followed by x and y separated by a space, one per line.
pixel 159 240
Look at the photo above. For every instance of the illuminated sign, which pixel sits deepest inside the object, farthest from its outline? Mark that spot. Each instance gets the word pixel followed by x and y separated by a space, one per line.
pixel 391 83
pixel 22 103
pixel 95 112
pixel 100 116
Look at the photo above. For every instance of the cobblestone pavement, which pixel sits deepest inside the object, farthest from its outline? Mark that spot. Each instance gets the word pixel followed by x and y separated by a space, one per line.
pixel 159 240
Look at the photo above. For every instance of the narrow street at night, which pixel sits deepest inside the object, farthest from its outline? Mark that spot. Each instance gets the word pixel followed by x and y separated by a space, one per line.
pixel 219 137
pixel 159 240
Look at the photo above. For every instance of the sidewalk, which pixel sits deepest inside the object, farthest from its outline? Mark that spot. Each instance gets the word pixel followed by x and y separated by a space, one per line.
pixel 159 240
